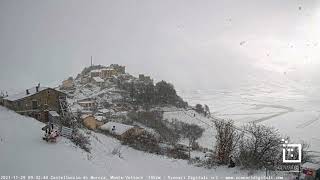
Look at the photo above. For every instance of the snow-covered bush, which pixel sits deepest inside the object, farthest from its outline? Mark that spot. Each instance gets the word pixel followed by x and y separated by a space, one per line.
pixel 227 138
pixel 177 154
pixel 142 141
pixel 81 140
pixel 117 151
pixel 260 147
pixel 154 120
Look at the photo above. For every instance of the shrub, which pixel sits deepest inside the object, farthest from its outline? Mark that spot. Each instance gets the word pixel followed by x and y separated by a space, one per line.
pixel 82 141
pixel 260 147
pixel 142 141
pixel 227 138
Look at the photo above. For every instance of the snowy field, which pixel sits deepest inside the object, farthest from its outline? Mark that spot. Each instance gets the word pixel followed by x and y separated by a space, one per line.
pixel 23 152
pixel 289 106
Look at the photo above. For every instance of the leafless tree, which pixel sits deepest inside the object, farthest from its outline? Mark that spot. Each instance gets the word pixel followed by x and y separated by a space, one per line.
pixel 192 132
pixel 261 147
pixel 227 138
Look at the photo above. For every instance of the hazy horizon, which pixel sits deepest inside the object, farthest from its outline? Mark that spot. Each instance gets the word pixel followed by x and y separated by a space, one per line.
pixel 192 44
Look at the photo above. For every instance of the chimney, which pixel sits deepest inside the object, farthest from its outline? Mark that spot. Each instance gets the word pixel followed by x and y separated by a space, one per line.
pixel 27 92
pixel 37 88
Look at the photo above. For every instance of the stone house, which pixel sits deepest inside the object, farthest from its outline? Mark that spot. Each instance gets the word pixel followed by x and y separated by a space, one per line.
pixel 108 73
pixel 88 104
pixel 145 79
pixel 121 130
pixel 95 73
pixel 98 81
pixel 91 122
pixel 35 102
pixel 67 84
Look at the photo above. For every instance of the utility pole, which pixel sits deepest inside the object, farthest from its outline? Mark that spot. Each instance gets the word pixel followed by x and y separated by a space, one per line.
pixel 91 62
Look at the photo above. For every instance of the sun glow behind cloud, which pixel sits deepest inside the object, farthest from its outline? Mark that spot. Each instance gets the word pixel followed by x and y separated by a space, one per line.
pixel 298 50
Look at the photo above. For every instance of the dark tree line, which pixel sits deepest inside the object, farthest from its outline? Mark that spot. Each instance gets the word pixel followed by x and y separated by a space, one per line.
pixel 202 109
pixel 148 94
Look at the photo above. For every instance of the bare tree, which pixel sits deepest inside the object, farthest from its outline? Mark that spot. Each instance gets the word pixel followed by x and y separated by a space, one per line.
pixel 192 132
pixel 227 139
pixel 260 147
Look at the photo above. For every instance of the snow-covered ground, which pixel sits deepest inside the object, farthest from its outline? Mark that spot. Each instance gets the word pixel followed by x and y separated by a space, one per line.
pixel 23 152
pixel 290 106
pixel 191 117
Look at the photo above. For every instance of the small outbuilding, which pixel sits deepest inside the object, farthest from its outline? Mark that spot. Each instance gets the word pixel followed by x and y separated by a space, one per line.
pixel 98 81
pixel 121 130
pixel 91 122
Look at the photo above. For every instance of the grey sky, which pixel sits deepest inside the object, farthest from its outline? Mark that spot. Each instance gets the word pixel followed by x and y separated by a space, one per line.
pixel 178 41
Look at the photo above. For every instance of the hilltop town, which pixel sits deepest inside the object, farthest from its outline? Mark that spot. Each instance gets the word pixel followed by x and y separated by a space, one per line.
pixel 145 115
pixel 109 100
pixel 107 103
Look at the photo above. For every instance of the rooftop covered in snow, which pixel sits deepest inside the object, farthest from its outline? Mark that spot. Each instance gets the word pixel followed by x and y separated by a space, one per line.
pixel 119 128
pixel 98 79
pixel 24 94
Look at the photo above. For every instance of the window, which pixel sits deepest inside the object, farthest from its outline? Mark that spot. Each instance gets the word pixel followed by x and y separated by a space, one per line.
pixel 34 104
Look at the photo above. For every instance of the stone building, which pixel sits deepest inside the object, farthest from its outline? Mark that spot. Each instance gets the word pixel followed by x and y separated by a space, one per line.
pixel 67 84
pixel 88 104
pixel 91 122
pixel 35 102
pixel 95 73
pixel 98 81
pixel 145 79
pixel 107 73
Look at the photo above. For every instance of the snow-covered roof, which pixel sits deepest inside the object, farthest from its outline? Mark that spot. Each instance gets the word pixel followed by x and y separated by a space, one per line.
pixel 107 69
pixel 119 128
pixel 54 114
pixel 104 110
pixel 95 71
pixel 86 102
pixel 98 79
pixel 23 94
pixel 99 118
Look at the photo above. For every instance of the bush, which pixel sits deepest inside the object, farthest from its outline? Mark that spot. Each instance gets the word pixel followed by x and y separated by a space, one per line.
pixel 199 109
pixel 145 142
pixel 153 119
pixel 227 138
pixel 177 154
pixel 82 141
pixel 260 147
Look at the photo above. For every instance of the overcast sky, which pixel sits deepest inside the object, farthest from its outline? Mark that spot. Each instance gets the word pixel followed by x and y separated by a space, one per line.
pixel 190 43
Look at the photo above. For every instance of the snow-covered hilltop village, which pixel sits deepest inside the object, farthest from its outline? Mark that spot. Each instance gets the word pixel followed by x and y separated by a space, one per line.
pixel 107 122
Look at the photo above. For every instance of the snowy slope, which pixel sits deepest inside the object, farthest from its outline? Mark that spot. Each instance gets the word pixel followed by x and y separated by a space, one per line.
pixel 23 152
pixel 191 117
